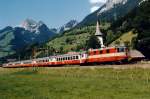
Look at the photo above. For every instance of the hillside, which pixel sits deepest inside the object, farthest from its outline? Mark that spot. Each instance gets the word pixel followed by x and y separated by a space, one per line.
pixel 75 39
pixel 138 21
pixel 110 12
pixel 125 38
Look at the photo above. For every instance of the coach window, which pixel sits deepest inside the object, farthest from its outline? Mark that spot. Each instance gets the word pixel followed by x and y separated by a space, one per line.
pixel 73 57
pixel 68 58
pixel 77 57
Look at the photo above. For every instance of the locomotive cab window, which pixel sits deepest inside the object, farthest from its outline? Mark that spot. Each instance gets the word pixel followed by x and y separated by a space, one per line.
pixel 101 52
pixel 120 49
pixel 107 51
pixel 94 52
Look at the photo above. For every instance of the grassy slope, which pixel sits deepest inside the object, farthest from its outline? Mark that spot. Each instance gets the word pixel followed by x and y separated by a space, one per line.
pixel 75 40
pixel 77 37
pixel 74 83
pixel 5 44
pixel 72 39
pixel 126 37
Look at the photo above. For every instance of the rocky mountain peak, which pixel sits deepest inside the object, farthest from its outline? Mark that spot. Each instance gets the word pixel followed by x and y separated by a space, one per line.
pixel 71 24
pixel 111 4
pixel 32 25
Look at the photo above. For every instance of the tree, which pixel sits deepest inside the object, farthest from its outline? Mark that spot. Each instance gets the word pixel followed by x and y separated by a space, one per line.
pixel 93 43
pixel 61 50
pixel 110 36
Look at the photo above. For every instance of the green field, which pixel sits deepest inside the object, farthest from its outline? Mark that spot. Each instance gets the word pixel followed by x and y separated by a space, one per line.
pixel 74 83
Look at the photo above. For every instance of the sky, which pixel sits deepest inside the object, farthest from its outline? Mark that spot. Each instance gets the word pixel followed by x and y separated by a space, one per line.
pixel 54 13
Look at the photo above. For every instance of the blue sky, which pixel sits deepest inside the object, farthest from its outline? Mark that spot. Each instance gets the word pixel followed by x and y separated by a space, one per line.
pixel 52 12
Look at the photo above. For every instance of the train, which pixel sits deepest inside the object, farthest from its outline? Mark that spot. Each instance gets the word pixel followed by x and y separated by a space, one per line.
pixel 102 55
pixel 115 54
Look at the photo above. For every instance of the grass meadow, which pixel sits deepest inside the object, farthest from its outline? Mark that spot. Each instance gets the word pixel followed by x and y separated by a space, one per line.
pixel 74 83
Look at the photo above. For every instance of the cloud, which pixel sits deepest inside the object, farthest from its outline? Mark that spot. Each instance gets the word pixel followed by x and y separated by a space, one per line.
pixel 94 8
pixel 97 1
pixel 96 4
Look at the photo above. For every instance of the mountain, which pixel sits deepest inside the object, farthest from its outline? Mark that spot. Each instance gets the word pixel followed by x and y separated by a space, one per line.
pixel 15 39
pixel 110 11
pixel 71 24
pixel 40 32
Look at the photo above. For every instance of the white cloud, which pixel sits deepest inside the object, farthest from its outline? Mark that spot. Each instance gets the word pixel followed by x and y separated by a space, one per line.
pixel 94 8
pixel 97 1
pixel 96 4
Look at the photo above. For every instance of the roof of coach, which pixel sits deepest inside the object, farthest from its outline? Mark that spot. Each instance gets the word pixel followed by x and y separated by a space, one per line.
pixel 69 54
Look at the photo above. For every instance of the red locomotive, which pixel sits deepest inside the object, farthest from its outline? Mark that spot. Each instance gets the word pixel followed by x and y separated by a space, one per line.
pixel 102 55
